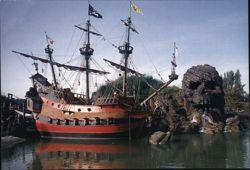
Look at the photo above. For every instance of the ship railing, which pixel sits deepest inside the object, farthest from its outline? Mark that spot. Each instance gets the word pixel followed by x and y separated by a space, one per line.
pixel 78 95
pixel 106 101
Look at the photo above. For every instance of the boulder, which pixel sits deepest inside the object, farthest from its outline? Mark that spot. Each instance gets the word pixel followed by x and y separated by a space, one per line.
pixel 159 137
pixel 232 124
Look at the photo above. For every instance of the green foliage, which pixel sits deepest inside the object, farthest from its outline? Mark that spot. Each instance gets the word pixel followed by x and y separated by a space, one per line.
pixel 137 86
pixel 235 96
pixel 170 90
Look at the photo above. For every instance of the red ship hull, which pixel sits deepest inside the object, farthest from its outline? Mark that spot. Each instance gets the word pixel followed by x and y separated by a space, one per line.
pixel 47 130
pixel 71 121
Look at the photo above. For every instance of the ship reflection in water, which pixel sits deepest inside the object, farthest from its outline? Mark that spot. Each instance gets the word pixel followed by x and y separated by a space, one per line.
pixel 65 154
pixel 182 151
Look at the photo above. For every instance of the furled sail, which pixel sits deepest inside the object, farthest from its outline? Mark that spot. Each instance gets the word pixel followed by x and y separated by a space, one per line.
pixel 75 68
pixel 118 66
pixel 126 24
pixel 94 33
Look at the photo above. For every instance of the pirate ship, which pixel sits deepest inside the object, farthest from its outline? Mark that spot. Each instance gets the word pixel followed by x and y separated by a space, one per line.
pixel 61 113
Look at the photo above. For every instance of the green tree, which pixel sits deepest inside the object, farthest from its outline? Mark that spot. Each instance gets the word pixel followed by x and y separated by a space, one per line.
pixel 170 90
pixel 234 90
pixel 228 81
pixel 137 86
pixel 238 87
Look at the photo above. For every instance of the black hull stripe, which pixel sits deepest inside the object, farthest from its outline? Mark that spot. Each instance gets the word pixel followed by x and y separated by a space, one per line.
pixel 86 136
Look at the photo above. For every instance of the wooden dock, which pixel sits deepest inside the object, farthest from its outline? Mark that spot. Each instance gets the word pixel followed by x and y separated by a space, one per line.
pixel 15 120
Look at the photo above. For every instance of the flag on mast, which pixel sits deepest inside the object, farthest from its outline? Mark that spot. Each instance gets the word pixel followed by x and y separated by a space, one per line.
pixel 93 12
pixel 136 8
pixel 50 41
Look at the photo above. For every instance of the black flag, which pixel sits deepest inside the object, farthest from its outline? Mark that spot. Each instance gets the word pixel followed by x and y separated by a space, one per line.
pixel 93 12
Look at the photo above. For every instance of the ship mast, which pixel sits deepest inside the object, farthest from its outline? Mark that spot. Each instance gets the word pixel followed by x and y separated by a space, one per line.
pixel 87 52
pixel 173 76
pixel 49 51
pixel 126 50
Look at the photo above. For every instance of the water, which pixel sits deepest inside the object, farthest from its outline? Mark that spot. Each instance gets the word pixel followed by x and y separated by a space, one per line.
pixel 183 151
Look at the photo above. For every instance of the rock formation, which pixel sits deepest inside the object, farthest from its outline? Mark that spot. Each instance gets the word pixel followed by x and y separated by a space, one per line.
pixel 232 124
pixel 198 107
pixel 203 92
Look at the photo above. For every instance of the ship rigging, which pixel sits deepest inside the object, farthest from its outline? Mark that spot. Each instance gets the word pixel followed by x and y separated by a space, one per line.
pixel 61 113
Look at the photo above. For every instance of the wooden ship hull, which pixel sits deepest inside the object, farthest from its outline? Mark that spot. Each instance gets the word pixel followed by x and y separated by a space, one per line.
pixel 47 130
pixel 106 123
pixel 60 113
pixel 57 117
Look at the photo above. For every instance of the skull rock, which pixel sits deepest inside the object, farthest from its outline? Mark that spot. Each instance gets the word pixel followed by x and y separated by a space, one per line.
pixel 203 92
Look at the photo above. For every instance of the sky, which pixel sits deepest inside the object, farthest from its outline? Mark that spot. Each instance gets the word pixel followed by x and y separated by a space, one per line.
pixel 213 32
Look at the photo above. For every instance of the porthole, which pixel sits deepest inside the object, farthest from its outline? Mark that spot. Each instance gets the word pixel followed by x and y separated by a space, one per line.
pixel 89 109
pixel 79 110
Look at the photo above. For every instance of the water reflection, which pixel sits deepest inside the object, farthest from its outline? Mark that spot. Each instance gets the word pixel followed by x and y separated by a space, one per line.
pixel 17 157
pixel 200 150
pixel 183 151
pixel 65 154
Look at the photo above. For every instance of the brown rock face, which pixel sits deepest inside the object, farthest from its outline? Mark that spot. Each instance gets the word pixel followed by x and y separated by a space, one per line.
pixel 202 92
pixel 198 107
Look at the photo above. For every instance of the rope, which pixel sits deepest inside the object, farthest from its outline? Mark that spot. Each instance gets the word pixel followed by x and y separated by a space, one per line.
pixel 93 60
pixel 67 49
pixel 161 70
pixel 74 51
pixel 63 78
pixel 114 87
pixel 24 65
pixel 77 79
pixel 143 78
pixel 71 59
pixel 151 60
pixel 104 39
pixel 138 92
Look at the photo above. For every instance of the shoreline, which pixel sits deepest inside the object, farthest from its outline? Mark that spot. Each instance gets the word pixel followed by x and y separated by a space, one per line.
pixel 10 141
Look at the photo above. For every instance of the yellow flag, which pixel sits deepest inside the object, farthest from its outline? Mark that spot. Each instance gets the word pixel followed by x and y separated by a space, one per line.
pixel 136 8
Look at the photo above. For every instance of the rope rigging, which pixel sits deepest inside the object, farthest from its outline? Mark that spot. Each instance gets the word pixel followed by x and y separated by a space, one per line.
pixel 147 54
pixel 71 59
pixel 70 42
pixel 62 74
pixel 114 87
pixel 24 64
pixel 131 63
